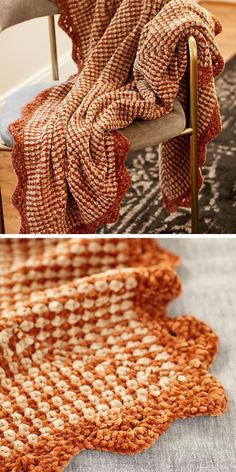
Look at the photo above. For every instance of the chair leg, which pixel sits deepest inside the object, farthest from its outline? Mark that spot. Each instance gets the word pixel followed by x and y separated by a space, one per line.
pixel 194 183
pixel 193 78
pixel 2 226
pixel 53 47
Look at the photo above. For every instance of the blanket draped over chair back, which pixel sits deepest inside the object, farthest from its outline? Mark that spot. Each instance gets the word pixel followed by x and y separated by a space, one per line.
pixel 132 62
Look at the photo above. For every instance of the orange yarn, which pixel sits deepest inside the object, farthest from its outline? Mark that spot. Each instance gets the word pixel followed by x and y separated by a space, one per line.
pixel 132 58
pixel 89 359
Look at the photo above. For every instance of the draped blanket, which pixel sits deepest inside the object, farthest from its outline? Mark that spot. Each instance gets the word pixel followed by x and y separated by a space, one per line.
pixel 88 357
pixel 132 62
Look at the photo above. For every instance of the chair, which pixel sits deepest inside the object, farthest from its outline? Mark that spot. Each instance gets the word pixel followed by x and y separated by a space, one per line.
pixel 140 133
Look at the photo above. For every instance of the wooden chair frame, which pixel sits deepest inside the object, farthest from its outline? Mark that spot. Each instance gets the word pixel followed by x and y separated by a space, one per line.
pixel 190 130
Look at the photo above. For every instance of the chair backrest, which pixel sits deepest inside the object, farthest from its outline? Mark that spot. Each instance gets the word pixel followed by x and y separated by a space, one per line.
pixel 13 12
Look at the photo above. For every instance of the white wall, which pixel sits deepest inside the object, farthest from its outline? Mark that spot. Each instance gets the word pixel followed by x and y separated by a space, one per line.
pixel 25 55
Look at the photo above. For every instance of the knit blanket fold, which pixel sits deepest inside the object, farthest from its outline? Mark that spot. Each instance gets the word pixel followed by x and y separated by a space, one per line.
pixel 89 359
pixel 69 154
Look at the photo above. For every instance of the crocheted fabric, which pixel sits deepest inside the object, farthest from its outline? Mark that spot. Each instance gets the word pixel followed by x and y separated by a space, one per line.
pixel 30 265
pixel 132 60
pixel 95 363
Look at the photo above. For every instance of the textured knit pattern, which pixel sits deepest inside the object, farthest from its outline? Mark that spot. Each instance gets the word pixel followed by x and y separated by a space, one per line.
pixel 95 363
pixel 29 266
pixel 132 58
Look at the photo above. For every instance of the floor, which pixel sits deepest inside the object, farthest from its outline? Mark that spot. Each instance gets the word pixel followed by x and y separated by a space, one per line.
pixel 226 12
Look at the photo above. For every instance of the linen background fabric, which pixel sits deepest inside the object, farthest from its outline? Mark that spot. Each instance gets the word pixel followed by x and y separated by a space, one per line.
pixel 201 444
pixel 132 58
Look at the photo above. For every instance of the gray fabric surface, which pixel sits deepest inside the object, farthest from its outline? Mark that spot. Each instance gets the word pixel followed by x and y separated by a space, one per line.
pixel 13 12
pixel 202 444
pixel 149 133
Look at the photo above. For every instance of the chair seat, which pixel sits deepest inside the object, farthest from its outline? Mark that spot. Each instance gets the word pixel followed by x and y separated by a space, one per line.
pixel 13 12
pixel 12 108
pixel 142 133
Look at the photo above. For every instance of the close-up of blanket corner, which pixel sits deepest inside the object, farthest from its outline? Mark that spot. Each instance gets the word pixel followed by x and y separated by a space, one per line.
pixel 89 357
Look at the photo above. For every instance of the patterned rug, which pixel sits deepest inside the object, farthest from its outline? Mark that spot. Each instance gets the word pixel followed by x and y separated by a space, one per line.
pixel 142 210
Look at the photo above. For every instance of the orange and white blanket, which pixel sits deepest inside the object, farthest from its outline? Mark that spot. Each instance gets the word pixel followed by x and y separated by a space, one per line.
pixel 132 62
pixel 89 358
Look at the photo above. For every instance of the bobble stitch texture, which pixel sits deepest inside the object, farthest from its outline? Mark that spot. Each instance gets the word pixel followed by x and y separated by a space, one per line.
pixel 117 372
